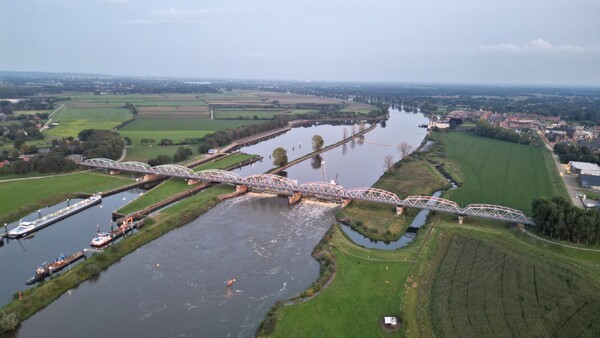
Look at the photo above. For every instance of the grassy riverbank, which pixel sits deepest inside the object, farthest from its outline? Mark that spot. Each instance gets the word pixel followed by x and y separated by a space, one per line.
pixel 19 198
pixel 174 186
pixel 411 176
pixel 181 213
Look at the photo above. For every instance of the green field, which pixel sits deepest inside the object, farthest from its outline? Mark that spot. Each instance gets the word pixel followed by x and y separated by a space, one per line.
pixel 231 113
pixel 20 197
pixel 177 130
pixel 498 172
pixel 144 153
pixel 74 120
pixel 368 285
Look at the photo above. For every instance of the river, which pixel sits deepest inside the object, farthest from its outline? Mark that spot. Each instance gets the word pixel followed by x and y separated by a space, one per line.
pixel 174 286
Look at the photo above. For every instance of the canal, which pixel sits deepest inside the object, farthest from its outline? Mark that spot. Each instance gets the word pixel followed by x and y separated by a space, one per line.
pixel 174 286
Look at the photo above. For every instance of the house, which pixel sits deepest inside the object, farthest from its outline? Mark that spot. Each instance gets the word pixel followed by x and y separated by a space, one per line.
pixel 590 181
pixel 390 322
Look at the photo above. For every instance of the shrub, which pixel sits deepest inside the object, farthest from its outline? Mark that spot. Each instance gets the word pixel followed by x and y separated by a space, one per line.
pixel 8 321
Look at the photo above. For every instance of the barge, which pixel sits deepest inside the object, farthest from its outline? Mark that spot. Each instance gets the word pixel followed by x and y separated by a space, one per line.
pixel 25 228
pixel 102 239
pixel 59 263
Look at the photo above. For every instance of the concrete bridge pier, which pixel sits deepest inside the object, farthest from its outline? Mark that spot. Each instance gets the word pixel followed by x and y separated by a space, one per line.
pixel 461 219
pixel 295 198
pixel 149 177
pixel 114 172
pixel 399 210
pixel 241 188
pixel 192 182
pixel 345 202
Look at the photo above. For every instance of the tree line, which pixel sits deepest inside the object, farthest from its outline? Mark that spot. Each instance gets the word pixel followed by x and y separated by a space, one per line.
pixel 571 152
pixel 560 219
pixel 483 128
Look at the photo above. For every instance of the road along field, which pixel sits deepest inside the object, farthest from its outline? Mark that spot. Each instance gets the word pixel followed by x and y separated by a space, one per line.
pixel 496 172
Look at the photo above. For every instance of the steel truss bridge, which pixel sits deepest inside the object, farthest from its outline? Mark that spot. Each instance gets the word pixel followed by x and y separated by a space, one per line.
pixel 282 185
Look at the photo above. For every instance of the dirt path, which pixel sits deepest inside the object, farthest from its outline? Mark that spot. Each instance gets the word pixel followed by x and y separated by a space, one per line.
pixel 50 117
pixel 561 244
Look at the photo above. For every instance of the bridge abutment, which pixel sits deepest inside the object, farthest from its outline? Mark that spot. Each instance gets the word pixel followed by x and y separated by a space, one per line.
pixel 461 219
pixel 114 172
pixel 295 198
pixel 241 188
pixel 192 182
pixel 399 210
pixel 345 202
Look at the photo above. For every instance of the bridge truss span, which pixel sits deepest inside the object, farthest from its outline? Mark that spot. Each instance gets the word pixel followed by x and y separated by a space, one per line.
pixel 373 195
pixel 173 170
pixel 217 175
pixel 497 212
pixel 323 189
pixel 270 181
pixel 431 203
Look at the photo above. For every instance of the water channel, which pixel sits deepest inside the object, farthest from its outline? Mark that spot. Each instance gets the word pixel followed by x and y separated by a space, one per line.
pixel 174 286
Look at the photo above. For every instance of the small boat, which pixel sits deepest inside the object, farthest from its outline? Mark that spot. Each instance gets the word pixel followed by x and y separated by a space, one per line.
pixel 230 282
pixel 40 274
pixel 102 239
pixel 44 270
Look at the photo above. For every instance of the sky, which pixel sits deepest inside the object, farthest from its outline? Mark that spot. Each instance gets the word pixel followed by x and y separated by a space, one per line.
pixel 424 41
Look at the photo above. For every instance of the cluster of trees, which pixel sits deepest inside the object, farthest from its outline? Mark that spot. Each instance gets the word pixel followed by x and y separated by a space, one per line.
pixel 131 108
pixel 101 143
pixel 279 157
pixel 571 152
pixel 51 162
pixel 182 154
pixel 560 219
pixel 34 103
pixel 483 128
pixel 18 133
pixel 224 137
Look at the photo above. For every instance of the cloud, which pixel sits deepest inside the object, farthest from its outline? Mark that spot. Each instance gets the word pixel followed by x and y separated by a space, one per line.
pixel 538 46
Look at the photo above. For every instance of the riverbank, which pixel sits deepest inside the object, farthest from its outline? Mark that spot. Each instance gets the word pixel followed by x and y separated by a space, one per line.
pixel 35 299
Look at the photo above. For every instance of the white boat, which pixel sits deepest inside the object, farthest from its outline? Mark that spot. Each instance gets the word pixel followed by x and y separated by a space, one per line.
pixel 102 239
pixel 23 229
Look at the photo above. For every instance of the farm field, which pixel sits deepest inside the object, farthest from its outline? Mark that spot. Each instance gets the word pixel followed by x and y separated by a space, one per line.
pixel 249 113
pixel 177 129
pixel 136 99
pixel 144 153
pixel 483 289
pixel 169 112
pixel 18 197
pixel 367 286
pixel 497 172
pixel 361 108
pixel 250 98
pixel 175 186
pixel 74 120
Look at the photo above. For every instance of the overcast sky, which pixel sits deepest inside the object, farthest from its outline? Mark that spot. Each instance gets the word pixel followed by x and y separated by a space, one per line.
pixel 460 41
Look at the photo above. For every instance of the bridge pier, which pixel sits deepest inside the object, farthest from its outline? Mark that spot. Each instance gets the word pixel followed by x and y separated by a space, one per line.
pixel 114 172
pixel 241 188
pixel 295 198
pixel 399 210
pixel 192 182
pixel 148 177
pixel 461 219
pixel 345 202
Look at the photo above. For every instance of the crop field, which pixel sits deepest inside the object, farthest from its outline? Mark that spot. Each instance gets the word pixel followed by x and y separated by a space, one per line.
pixel 284 98
pixel 177 130
pixel 144 153
pixel 249 98
pixel 484 290
pixel 232 113
pixel 170 112
pixel 499 172
pixel 74 120
pixel 367 286
pixel 137 99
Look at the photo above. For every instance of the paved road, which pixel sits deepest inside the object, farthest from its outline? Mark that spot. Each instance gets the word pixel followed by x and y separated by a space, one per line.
pixel 50 117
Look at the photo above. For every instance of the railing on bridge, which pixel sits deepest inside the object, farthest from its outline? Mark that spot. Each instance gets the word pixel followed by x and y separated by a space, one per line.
pixel 285 185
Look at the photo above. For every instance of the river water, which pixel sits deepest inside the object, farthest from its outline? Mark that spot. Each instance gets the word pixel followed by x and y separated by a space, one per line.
pixel 174 286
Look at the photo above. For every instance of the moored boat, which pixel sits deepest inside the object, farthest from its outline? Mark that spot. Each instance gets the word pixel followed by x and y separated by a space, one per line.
pixel 58 264
pixel 25 228
pixel 102 239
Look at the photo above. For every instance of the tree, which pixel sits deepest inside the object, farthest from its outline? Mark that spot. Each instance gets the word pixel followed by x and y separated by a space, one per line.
pixel 280 157
pixel 361 126
pixel 388 163
pixel 405 149
pixel 316 162
pixel 317 143
pixel 127 140
pixel 165 142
